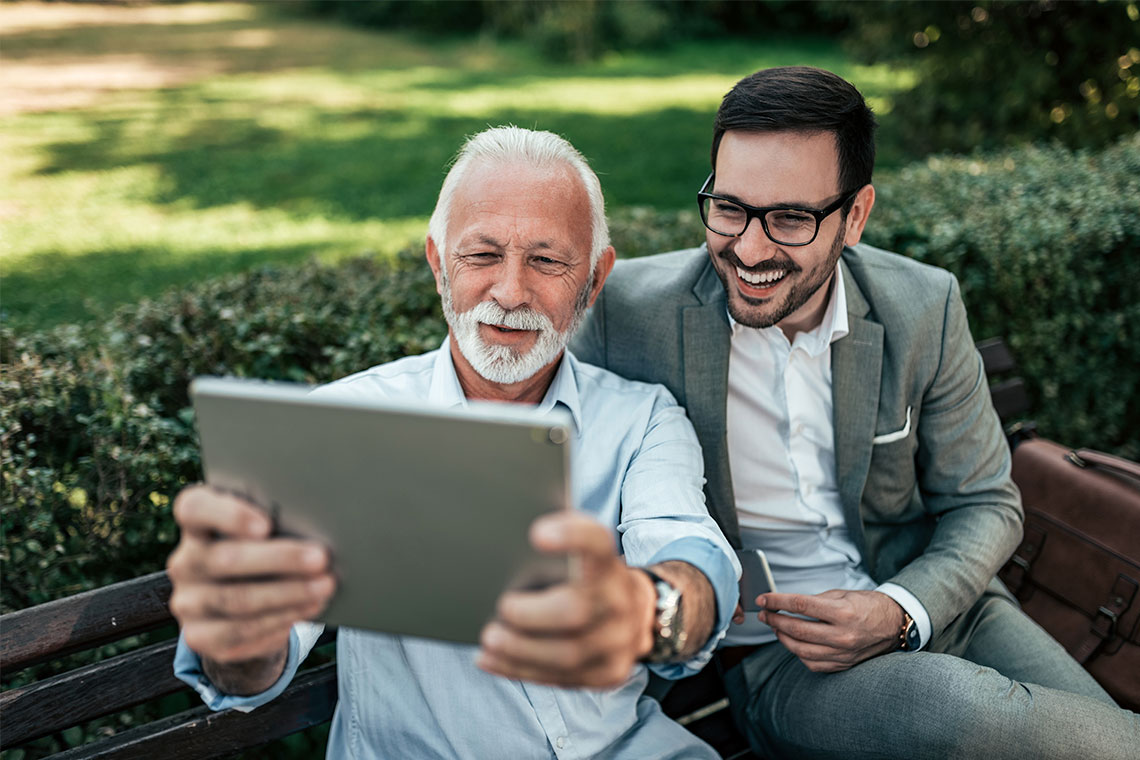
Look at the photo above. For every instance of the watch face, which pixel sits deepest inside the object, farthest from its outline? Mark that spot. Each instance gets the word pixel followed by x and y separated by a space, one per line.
pixel 912 636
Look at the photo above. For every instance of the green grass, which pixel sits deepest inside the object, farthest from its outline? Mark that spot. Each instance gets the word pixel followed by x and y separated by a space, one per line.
pixel 273 138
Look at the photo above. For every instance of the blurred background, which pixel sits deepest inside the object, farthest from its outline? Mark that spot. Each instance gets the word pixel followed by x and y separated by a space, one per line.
pixel 243 188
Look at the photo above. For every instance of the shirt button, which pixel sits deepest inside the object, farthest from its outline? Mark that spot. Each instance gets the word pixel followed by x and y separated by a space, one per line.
pixel 799 428
pixel 560 742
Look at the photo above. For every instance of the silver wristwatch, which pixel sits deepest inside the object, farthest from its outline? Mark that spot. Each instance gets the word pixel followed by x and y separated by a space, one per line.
pixel 669 634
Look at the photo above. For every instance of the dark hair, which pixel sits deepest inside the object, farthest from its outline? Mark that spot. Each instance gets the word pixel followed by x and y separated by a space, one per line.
pixel 806 99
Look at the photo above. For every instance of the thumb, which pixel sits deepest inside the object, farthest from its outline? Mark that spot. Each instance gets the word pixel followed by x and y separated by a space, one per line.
pixel 580 536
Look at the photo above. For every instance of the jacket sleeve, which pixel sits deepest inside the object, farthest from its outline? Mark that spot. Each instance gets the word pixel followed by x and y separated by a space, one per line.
pixel 963 471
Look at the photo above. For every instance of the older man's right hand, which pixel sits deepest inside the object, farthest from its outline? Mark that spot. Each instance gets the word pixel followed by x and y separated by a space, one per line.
pixel 237 590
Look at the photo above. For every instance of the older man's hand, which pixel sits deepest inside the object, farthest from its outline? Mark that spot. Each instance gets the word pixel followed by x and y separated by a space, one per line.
pixel 237 591
pixel 589 632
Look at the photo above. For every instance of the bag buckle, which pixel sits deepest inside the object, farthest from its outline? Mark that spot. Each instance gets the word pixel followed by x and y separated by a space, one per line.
pixel 1104 623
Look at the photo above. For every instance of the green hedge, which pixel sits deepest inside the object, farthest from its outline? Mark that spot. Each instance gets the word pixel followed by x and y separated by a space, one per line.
pixel 1046 244
pixel 97 436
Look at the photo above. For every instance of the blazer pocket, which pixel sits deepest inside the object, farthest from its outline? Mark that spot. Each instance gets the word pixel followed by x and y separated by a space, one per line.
pixel 898 435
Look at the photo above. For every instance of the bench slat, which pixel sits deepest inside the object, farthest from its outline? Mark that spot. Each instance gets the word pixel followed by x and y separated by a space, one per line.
pixel 90 692
pixel 1010 398
pixel 996 356
pixel 201 734
pixel 83 621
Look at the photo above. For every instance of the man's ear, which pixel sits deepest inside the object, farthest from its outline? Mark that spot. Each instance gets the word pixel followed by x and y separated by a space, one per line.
pixel 857 216
pixel 433 259
pixel 602 270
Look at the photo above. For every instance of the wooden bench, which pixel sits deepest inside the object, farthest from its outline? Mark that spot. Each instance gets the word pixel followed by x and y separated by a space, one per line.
pixel 71 698
pixel 124 610
pixel 45 707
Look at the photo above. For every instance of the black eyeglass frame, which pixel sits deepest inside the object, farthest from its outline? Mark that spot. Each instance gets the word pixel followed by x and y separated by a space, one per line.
pixel 757 212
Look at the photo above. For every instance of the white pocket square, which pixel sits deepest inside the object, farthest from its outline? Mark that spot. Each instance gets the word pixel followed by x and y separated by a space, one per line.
pixel 898 435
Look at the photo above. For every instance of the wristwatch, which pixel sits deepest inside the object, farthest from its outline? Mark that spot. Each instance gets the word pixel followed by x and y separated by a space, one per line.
pixel 669 634
pixel 909 638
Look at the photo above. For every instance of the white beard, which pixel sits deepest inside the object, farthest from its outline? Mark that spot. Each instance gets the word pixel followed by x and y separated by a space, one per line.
pixel 503 364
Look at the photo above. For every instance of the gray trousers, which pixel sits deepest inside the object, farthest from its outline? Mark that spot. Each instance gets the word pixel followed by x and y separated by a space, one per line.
pixel 992 685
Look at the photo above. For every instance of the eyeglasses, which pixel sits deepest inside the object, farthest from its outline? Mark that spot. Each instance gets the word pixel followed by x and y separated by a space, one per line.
pixel 784 225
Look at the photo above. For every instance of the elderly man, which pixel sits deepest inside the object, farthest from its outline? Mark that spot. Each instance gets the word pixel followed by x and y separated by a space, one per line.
pixel 848 432
pixel 519 247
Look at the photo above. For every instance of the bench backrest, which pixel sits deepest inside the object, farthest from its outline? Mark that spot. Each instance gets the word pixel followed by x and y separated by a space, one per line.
pixel 95 618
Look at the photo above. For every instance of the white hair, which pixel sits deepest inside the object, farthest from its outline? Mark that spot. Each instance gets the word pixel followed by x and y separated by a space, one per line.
pixel 510 144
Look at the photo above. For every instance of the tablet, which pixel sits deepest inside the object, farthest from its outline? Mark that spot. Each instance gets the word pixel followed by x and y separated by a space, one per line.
pixel 425 509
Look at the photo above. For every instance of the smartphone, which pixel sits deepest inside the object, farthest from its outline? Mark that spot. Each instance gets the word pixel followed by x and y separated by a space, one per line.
pixel 755 577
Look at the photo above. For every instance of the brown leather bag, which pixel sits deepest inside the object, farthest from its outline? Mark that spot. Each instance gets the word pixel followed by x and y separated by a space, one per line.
pixel 1077 570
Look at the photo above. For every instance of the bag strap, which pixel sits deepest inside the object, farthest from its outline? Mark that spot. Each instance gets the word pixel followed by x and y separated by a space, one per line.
pixel 1088 458
pixel 1103 628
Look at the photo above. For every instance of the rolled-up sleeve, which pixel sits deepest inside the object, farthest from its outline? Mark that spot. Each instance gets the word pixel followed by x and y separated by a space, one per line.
pixel 188 669
pixel 663 517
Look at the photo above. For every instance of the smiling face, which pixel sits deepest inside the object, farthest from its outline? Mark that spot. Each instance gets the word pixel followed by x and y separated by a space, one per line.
pixel 768 283
pixel 516 277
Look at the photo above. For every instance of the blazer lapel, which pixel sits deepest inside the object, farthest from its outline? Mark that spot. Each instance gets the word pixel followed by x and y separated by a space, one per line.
pixel 706 343
pixel 856 371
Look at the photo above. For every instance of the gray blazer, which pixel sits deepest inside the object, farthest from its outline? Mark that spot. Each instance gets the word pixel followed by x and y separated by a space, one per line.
pixel 933 510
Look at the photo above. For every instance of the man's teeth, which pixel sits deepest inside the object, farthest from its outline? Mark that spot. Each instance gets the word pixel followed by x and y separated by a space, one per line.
pixel 761 278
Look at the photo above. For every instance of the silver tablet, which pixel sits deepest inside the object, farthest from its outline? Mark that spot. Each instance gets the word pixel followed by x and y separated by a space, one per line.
pixel 425 509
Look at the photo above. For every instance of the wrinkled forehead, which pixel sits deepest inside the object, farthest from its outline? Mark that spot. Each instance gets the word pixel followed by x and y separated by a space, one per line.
pixel 549 202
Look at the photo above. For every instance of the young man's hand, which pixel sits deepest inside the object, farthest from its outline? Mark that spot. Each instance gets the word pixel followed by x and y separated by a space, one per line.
pixel 849 626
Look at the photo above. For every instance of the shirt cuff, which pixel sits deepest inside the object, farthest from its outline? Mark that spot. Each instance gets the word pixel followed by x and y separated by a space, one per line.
pixel 188 669
pixel 722 575
pixel 909 602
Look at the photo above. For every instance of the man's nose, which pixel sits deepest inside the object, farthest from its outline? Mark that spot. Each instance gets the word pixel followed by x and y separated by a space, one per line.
pixel 510 289
pixel 754 245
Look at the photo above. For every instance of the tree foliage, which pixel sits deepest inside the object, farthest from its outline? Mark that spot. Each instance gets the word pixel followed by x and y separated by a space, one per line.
pixel 996 73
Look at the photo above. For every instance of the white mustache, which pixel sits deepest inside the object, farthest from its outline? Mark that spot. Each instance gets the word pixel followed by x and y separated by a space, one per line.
pixel 524 318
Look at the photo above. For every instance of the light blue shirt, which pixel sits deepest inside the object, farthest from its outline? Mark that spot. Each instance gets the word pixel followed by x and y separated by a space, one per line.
pixel 636 466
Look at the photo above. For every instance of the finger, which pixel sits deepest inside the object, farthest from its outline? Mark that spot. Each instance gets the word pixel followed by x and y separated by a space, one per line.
pixel 816 658
pixel 233 560
pixel 274 557
pixel 570 532
pixel 244 600
pixel 561 609
pixel 229 559
pixel 738 614
pixel 203 511
pixel 801 604
pixel 554 653
pixel 806 630
pixel 232 641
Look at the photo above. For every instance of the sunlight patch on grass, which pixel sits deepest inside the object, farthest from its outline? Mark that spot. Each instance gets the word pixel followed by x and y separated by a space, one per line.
pixel 215 143
pixel 622 97
pixel 27 16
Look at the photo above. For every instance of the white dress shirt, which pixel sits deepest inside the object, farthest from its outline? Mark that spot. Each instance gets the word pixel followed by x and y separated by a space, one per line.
pixel 781 451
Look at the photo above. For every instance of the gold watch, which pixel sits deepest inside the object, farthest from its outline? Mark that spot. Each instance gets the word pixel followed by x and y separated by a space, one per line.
pixel 909 638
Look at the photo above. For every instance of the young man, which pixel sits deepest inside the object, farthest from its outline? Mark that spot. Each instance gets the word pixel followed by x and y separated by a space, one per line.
pixel 848 432
pixel 519 247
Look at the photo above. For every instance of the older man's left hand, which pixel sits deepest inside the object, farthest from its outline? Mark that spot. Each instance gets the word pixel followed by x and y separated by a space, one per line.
pixel 589 632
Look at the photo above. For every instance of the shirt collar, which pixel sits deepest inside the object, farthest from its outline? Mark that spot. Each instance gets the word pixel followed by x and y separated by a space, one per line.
pixel 445 389
pixel 831 327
